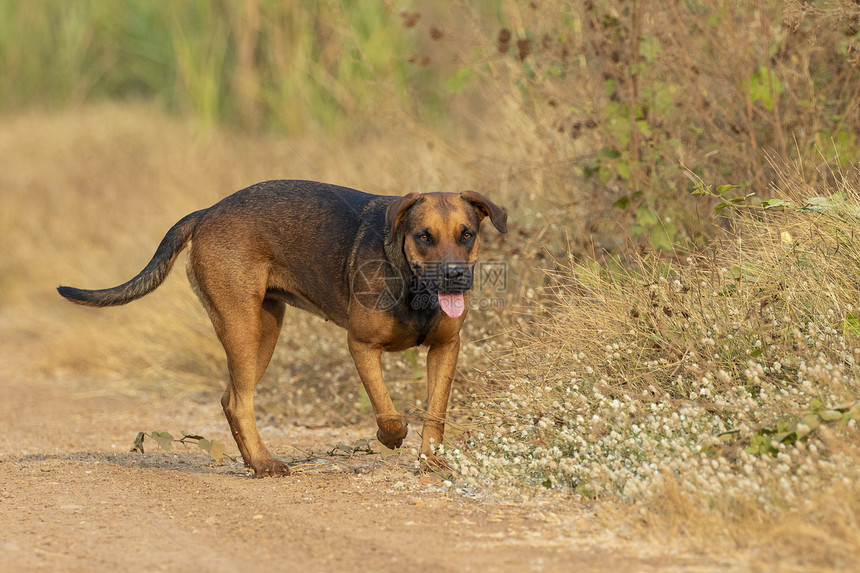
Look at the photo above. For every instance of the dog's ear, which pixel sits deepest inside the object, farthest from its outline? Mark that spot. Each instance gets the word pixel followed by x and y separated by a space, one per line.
pixel 486 208
pixel 397 210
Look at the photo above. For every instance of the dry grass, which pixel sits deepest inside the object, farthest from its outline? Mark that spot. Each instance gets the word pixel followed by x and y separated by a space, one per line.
pixel 716 397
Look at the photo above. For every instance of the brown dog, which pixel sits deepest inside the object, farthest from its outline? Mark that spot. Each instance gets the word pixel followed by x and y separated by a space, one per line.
pixel 393 271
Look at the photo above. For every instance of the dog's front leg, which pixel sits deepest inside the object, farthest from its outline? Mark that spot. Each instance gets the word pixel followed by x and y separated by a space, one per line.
pixel 368 362
pixel 441 364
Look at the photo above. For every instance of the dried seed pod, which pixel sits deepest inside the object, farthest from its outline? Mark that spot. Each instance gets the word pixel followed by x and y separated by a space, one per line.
pixel 410 18
pixel 524 48
pixel 504 40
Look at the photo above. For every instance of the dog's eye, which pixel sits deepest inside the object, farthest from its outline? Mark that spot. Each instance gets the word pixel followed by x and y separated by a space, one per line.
pixel 424 237
pixel 467 235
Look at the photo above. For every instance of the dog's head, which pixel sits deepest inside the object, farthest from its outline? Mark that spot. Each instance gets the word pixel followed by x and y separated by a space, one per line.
pixel 439 233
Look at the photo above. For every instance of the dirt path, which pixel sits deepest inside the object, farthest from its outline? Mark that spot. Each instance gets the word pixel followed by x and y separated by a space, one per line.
pixel 73 498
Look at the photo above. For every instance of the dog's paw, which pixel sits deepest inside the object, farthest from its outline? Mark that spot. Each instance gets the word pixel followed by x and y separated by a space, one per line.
pixel 392 438
pixel 270 468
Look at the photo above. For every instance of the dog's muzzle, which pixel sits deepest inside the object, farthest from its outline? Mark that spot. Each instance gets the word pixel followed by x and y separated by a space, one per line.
pixel 448 282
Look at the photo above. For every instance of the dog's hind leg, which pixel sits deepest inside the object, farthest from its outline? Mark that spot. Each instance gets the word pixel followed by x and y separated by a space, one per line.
pixel 248 333
pixel 272 317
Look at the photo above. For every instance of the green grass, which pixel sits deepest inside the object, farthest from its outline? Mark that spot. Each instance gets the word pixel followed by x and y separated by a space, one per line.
pixel 293 65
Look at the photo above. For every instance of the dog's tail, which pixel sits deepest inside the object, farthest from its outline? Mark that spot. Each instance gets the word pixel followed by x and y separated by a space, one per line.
pixel 146 280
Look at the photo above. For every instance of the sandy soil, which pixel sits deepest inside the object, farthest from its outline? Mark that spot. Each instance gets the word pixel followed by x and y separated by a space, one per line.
pixel 73 498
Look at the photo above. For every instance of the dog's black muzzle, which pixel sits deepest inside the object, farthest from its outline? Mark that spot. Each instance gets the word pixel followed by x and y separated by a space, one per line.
pixel 443 277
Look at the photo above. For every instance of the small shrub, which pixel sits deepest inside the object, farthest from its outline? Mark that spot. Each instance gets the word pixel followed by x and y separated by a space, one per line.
pixel 731 378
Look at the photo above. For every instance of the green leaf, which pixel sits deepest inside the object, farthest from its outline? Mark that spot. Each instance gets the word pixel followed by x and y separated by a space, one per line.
pixel 701 189
pixel 662 239
pixel 817 204
pixel 815 405
pixel 723 188
pixel 608 153
pixel 764 85
pixel 646 216
pixel 191 436
pixel 623 169
pixel 761 444
pixel 164 440
pixel 851 324
pixel 204 444
pixel 619 127
pixel 644 128
pixel 623 202
pixel 610 87
pixel 776 203
pixel 830 415
pixel 786 437
pixel 604 174
pixel 811 420
pixel 649 47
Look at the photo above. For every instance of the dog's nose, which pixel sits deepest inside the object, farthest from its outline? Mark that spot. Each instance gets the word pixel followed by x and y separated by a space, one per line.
pixel 454 271
pixel 457 276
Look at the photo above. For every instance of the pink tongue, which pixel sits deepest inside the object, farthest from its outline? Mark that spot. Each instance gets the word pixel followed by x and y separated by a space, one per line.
pixel 452 303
